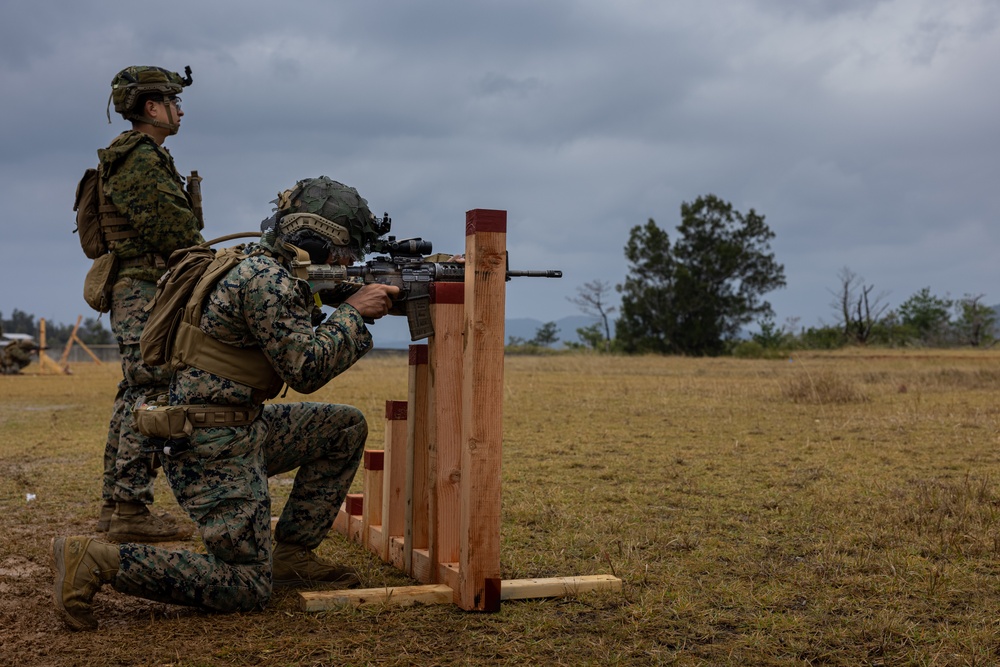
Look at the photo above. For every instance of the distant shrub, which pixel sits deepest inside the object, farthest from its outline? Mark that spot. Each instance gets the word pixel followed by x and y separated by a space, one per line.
pixel 529 348
pixel 822 389
pixel 821 338
pixel 955 378
pixel 751 349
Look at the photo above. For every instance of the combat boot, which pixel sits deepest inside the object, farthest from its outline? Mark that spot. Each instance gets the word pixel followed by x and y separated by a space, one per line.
pixel 297 566
pixel 133 522
pixel 82 566
pixel 104 519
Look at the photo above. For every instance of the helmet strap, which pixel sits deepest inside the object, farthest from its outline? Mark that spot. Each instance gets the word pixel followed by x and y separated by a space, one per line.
pixel 299 265
pixel 170 126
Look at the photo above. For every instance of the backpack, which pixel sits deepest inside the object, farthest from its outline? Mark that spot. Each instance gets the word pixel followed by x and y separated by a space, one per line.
pixel 185 269
pixel 171 334
pixel 98 221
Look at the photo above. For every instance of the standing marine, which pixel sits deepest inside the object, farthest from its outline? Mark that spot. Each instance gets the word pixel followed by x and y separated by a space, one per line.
pixel 258 327
pixel 138 176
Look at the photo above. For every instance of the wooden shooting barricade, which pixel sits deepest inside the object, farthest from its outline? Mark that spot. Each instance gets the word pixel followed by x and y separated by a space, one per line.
pixel 45 363
pixel 73 338
pixel 430 502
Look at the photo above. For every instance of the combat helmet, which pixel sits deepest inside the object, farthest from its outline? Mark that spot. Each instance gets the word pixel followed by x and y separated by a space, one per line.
pixel 319 213
pixel 134 83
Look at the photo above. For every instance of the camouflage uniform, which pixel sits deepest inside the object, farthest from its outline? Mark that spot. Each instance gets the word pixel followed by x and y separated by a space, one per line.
pixel 15 355
pixel 222 479
pixel 140 178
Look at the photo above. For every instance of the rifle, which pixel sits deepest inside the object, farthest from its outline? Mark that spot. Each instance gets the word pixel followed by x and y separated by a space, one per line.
pixel 406 268
pixel 194 191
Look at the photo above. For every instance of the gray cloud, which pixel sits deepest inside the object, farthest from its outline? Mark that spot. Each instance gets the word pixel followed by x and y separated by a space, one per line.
pixel 864 132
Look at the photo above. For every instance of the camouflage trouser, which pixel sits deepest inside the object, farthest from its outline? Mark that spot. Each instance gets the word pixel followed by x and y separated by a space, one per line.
pixel 222 483
pixel 111 446
pixel 128 472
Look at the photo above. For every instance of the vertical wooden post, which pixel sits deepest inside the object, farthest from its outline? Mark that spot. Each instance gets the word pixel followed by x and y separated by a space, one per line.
pixel 482 409
pixel 353 509
pixel 45 362
pixel 415 529
pixel 444 360
pixel 371 513
pixel 394 482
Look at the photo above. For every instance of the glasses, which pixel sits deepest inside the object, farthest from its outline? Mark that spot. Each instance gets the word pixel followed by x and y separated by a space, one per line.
pixel 175 100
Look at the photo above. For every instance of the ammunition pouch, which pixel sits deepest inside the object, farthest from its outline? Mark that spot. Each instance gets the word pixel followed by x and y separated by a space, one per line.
pixel 99 282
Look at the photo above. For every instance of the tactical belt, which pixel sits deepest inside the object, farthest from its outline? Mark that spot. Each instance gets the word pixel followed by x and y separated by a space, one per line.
pixel 207 416
pixel 168 428
pixel 149 260
pixel 176 422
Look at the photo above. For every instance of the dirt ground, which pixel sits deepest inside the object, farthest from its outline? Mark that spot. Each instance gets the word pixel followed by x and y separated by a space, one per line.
pixel 827 509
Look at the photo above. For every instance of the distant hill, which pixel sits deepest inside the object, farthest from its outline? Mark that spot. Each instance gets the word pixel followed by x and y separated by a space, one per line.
pixel 391 332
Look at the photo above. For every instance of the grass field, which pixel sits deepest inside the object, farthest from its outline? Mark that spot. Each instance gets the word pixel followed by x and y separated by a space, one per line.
pixel 831 509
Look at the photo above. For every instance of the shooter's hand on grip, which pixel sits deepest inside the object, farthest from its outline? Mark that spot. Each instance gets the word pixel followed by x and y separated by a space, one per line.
pixel 339 293
pixel 373 300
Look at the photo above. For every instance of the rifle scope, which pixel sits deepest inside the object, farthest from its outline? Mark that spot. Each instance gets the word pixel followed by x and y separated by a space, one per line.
pixel 414 247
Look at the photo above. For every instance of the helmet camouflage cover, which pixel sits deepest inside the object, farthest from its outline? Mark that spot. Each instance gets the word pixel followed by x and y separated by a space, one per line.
pixel 137 80
pixel 333 209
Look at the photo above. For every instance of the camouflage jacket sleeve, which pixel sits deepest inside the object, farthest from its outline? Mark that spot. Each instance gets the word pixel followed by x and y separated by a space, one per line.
pixel 260 304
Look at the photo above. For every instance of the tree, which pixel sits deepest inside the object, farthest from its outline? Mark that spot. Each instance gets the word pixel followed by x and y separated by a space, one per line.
pixel 926 316
pixel 92 332
pixel 770 337
pixel 545 335
pixel 646 323
pixel 592 300
pixel 694 297
pixel 593 337
pixel 20 322
pixel 858 310
pixel 975 324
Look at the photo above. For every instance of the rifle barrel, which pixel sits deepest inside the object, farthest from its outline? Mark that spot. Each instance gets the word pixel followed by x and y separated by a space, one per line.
pixel 550 273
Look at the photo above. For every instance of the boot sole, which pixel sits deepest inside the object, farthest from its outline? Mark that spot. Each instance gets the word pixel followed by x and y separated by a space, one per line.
pixel 56 552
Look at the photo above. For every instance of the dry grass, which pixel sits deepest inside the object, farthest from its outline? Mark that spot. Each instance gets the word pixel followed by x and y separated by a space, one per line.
pixel 834 509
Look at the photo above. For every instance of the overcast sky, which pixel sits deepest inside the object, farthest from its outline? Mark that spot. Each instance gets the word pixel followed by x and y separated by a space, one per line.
pixel 865 132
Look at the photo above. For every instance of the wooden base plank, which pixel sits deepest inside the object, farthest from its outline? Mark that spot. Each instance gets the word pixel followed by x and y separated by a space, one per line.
pixel 341 524
pixel 402 596
pixel 511 589
pixel 448 574
pixel 554 587
pixel 421 567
